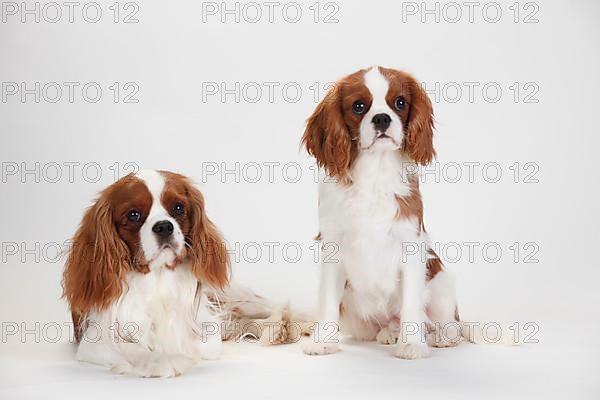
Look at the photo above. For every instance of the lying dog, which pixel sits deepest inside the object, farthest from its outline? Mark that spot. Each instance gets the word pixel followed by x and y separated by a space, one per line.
pixel 147 281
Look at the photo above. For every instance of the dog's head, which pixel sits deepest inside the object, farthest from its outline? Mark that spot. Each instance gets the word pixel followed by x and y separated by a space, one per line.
pixel 143 221
pixel 377 110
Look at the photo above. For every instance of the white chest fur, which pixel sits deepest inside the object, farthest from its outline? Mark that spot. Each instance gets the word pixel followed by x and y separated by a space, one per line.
pixel 159 306
pixel 161 312
pixel 361 222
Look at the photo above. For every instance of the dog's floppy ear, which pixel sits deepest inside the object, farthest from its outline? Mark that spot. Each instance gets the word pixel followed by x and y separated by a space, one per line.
pixel 207 251
pixel 96 263
pixel 418 143
pixel 327 136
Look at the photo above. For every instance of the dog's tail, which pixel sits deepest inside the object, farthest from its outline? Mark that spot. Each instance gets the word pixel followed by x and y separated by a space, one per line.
pixel 246 314
pixel 490 333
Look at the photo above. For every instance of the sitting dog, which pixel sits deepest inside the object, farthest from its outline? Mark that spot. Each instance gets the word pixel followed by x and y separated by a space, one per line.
pixel 382 280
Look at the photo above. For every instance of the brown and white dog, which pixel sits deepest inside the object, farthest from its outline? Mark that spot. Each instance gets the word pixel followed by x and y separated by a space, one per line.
pixel 382 280
pixel 147 281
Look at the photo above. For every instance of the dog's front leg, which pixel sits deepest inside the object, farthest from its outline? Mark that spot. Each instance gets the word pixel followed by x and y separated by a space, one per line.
pixel 207 340
pixel 324 339
pixel 411 341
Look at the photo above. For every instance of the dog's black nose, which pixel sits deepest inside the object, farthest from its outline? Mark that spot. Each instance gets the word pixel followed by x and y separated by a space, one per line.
pixel 163 229
pixel 381 122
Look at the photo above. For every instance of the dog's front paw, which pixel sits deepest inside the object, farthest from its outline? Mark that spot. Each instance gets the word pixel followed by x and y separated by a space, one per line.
pixel 411 351
pixel 386 336
pixel 313 348
pixel 211 350
pixel 445 342
pixel 155 366
pixel 445 336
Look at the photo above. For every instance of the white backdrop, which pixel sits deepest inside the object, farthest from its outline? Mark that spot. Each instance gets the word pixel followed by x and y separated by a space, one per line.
pixel 220 92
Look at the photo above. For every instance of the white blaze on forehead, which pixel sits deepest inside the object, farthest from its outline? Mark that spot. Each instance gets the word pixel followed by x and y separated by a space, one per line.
pixel 378 85
pixel 155 183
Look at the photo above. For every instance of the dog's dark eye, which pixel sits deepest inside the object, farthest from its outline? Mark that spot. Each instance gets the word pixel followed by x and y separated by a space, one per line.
pixel 178 209
pixel 134 216
pixel 400 103
pixel 358 107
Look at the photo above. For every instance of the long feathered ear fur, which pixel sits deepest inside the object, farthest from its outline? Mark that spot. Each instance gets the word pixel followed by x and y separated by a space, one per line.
pixel 208 255
pixel 418 143
pixel 96 264
pixel 327 136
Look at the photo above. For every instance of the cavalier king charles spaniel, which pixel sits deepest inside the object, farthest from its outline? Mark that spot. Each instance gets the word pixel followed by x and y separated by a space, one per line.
pixel 147 281
pixel 380 279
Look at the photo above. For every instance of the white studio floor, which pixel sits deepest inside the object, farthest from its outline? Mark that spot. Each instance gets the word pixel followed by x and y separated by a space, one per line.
pixel 552 368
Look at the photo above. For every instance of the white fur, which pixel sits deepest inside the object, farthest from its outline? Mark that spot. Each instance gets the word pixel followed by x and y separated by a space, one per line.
pixel 162 323
pixel 367 270
pixel 169 323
